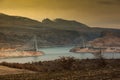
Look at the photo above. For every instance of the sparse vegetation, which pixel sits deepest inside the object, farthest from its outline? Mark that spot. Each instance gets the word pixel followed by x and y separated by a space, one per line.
pixel 67 68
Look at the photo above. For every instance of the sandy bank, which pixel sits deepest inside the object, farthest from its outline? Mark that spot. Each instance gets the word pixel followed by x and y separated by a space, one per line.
pixel 6 54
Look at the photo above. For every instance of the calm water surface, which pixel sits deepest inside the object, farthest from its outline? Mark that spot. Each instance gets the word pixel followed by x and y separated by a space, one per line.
pixel 53 53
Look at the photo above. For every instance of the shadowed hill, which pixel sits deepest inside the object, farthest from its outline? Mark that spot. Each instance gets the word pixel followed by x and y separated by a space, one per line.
pixel 64 24
pixel 16 21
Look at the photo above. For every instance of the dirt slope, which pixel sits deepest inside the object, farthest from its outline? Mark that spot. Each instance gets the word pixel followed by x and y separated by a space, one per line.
pixel 8 71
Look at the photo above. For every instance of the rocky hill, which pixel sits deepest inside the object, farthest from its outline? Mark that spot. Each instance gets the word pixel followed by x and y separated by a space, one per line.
pixel 107 39
pixel 16 30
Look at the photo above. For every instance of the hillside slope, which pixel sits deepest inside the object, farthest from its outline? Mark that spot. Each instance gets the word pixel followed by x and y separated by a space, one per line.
pixel 107 39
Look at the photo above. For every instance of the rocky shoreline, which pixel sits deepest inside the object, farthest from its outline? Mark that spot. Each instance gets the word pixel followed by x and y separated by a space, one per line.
pixel 95 50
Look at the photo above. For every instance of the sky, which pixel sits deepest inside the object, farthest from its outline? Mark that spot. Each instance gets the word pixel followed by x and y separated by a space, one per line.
pixel 94 13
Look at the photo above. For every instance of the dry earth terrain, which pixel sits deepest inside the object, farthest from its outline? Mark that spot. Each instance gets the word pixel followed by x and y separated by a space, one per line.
pixel 7 71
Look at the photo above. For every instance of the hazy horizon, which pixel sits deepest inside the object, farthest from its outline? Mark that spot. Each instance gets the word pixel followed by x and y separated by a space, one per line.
pixel 94 13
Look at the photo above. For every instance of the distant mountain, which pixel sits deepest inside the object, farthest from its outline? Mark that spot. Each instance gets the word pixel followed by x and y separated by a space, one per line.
pixel 16 21
pixel 19 30
pixel 64 24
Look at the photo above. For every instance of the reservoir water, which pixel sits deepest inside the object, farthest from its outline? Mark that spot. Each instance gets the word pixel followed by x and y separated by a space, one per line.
pixel 53 53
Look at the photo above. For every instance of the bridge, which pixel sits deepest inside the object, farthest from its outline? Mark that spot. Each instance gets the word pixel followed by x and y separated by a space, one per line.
pixel 34 45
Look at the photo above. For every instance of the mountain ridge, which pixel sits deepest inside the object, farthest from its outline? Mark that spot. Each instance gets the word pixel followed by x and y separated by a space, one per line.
pixel 17 30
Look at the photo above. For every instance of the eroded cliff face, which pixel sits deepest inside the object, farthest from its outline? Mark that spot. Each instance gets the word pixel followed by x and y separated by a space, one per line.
pixel 107 39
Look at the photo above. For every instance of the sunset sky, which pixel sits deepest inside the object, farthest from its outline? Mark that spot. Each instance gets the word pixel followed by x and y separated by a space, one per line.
pixel 95 13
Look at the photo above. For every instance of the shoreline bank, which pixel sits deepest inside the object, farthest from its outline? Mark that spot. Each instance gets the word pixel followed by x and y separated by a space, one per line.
pixel 15 54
